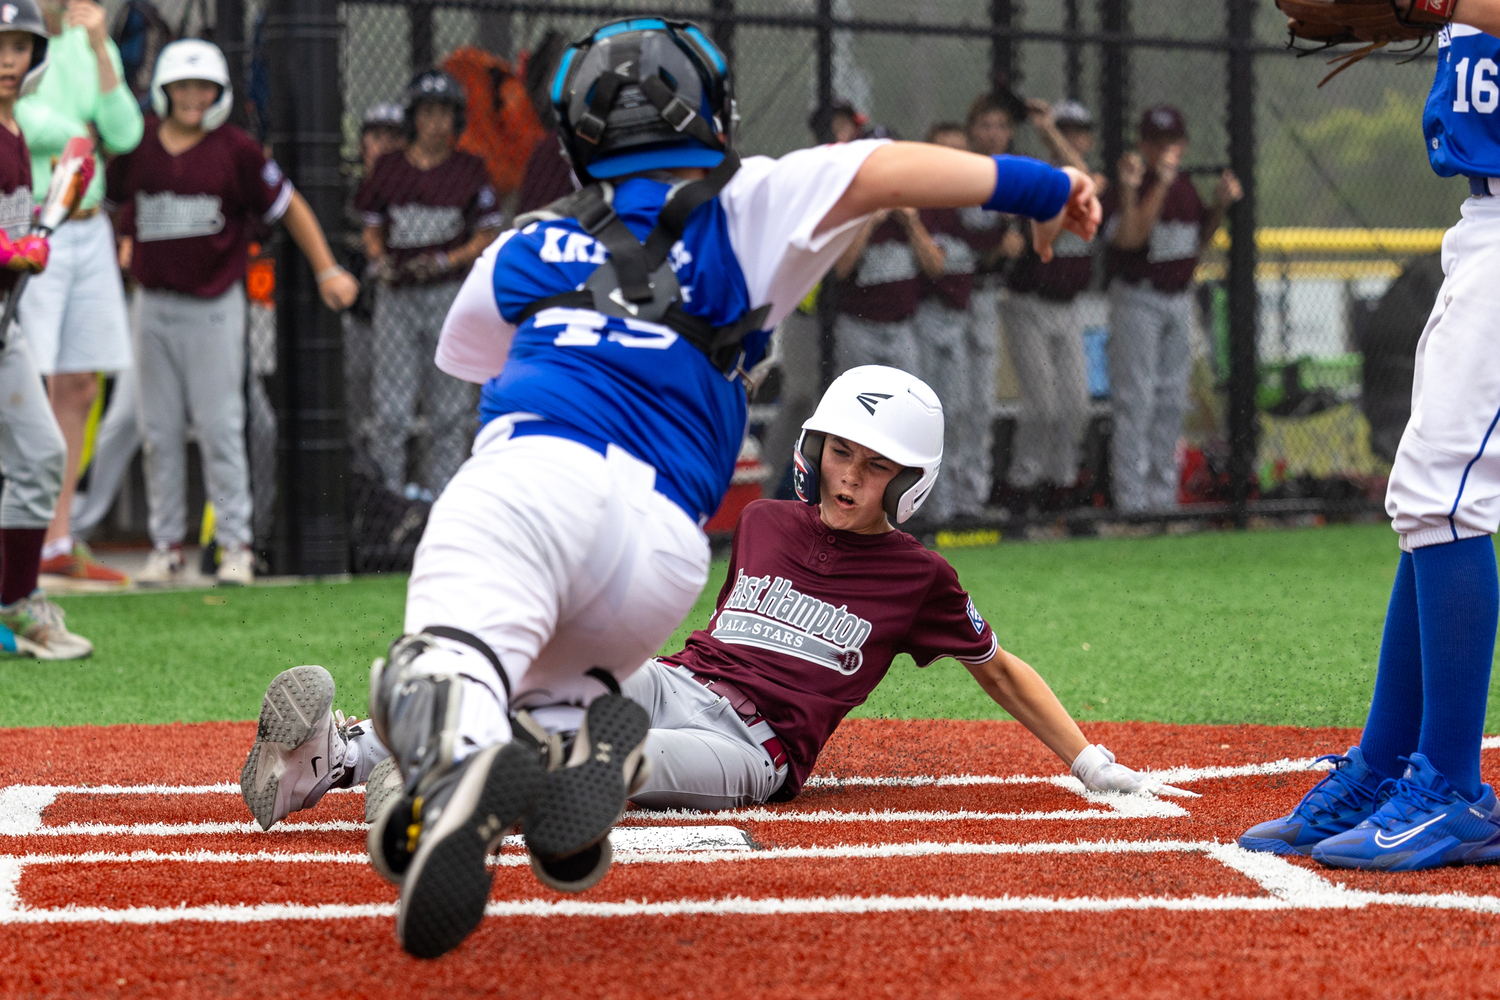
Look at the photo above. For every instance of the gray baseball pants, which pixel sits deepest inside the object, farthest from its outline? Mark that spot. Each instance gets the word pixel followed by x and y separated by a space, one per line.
pixel 866 342
pixel 972 464
pixel 702 754
pixel 1150 359
pixel 116 443
pixel 190 366
pixel 32 450
pixel 405 332
pixel 1046 346
pixel 943 342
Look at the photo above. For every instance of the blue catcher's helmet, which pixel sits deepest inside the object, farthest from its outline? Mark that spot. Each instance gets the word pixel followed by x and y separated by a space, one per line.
pixel 642 94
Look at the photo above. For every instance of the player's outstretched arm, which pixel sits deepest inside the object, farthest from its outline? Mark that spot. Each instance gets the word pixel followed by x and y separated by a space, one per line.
pixel 1020 690
pixel 923 175
pixel 336 286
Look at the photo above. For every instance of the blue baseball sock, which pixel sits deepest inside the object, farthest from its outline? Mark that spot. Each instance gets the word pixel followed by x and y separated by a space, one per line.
pixel 1395 721
pixel 1458 600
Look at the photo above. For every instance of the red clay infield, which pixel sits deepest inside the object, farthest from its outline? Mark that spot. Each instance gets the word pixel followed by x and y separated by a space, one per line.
pixel 912 888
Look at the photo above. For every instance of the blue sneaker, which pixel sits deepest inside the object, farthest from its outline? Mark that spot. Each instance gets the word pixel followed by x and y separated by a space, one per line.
pixel 1338 803
pixel 1423 824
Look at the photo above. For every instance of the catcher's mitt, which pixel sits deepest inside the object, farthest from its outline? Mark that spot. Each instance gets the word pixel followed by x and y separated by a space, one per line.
pixel 1375 23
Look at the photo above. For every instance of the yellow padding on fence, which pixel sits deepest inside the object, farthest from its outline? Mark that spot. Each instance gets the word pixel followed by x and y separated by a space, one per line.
pixel 1311 240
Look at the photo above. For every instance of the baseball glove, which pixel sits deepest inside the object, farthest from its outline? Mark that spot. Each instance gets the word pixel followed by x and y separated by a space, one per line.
pixel 1374 23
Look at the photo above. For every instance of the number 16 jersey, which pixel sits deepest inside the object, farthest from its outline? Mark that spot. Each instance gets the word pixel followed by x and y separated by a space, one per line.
pixel 1462 120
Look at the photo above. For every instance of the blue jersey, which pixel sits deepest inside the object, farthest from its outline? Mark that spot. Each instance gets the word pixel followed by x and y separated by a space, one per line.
pixel 1462 120
pixel 634 384
pixel 631 383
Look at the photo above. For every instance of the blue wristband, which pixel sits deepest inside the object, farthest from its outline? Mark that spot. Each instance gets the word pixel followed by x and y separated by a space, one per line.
pixel 1024 186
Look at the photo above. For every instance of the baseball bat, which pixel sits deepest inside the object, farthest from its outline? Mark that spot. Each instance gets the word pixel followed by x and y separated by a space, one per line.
pixel 71 174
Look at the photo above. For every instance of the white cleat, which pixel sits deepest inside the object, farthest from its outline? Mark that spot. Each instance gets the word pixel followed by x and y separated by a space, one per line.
pixel 302 747
pixel 34 627
pixel 236 567
pixel 164 567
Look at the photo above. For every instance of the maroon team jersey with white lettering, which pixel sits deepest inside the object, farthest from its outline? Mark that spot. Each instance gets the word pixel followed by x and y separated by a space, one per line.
pixel 1170 256
pixel 16 204
pixel 194 215
pixel 424 211
pixel 810 618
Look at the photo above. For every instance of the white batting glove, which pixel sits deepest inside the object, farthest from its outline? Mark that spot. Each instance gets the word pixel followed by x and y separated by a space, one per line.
pixel 1095 766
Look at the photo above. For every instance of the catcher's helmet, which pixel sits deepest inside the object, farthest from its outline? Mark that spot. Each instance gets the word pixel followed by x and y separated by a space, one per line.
pixel 193 59
pixel 888 411
pixel 614 123
pixel 26 15
pixel 434 86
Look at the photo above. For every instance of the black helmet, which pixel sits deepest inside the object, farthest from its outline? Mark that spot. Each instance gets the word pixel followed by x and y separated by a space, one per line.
pixel 436 87
pixel 26 15
pixel 643 94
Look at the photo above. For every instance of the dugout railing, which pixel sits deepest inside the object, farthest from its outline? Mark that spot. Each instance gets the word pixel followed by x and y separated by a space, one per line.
pixel 313 66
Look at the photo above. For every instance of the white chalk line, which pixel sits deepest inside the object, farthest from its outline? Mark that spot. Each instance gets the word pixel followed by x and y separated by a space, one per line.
pixel 1287 887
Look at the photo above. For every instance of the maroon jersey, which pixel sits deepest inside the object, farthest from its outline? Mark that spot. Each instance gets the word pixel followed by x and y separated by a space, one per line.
pixel 426 211
pixel 884 287
pixel 1061 278
pixel 810 618
pixel 16 203
pixel 959 258
pixel 193 216
pixel 1170 256
pixel 984 231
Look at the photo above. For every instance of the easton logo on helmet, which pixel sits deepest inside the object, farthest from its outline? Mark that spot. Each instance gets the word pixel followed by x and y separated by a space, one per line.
pixel 870 400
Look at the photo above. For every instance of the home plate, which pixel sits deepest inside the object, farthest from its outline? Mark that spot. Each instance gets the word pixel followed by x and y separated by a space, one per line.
pixel 668 839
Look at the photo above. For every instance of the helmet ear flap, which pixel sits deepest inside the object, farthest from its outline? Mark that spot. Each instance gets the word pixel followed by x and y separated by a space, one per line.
pixel 896 489
pixel 807 461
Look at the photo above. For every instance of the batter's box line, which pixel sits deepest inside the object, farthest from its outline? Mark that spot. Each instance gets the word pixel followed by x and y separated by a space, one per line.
pixel 22 808
pixel 1287 887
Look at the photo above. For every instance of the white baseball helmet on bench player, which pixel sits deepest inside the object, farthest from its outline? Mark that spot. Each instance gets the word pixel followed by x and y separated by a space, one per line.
pixel 193 59
pixel 888 411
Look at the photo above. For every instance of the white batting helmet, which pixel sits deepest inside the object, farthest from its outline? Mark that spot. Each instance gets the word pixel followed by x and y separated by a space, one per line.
pixel 193 59
pixel 888 411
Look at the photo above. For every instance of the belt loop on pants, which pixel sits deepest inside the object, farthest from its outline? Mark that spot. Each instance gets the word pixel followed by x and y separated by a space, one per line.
pixel 749 715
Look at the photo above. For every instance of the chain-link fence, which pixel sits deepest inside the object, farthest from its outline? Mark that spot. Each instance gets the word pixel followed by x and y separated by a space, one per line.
pixel 1300 328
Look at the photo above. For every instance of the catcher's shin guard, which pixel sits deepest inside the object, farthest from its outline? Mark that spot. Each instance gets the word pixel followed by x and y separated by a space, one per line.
pixel 432 836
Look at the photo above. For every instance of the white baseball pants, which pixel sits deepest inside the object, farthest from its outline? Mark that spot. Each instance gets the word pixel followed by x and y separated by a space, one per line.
pixel 1046 346
pixel 561 559
pixel 1150 360
pixel 1445 483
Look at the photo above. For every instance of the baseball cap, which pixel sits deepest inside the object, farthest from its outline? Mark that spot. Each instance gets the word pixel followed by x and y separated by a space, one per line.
pixel 1071 114
pixel 1162 121
pixel 385 114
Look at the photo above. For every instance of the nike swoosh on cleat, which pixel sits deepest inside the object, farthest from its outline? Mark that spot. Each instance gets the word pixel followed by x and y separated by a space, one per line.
pixel 1382 842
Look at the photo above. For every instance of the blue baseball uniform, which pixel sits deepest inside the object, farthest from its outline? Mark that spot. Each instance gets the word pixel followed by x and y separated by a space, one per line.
pixel 1432 685
pixel 571 537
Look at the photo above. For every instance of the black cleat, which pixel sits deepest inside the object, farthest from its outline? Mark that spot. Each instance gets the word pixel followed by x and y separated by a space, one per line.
pixel 582 799
pixel 452 824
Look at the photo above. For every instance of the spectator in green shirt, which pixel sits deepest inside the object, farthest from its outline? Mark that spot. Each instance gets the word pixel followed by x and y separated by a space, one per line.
pixel 73 314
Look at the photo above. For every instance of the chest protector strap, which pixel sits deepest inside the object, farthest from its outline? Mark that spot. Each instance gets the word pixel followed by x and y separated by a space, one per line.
pixel 637 282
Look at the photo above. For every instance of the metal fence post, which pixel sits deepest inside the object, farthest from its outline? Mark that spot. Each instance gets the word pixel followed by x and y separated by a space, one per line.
pixel 421 36
pixel 1073 51
pixel 1243 296
pixel 1114 82
pixel 724 27
pixel 312 535
pixel 826 312
pixel 1002 44
pixel 229 36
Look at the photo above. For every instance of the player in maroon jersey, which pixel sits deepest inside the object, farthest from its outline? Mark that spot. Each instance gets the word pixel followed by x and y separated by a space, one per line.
pixel 821 595
pixel 191 196
pixel 32 450
pixel 429 211
pixel 820 598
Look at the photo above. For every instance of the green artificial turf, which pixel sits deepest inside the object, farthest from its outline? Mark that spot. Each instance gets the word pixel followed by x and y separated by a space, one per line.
pixel 1270 627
